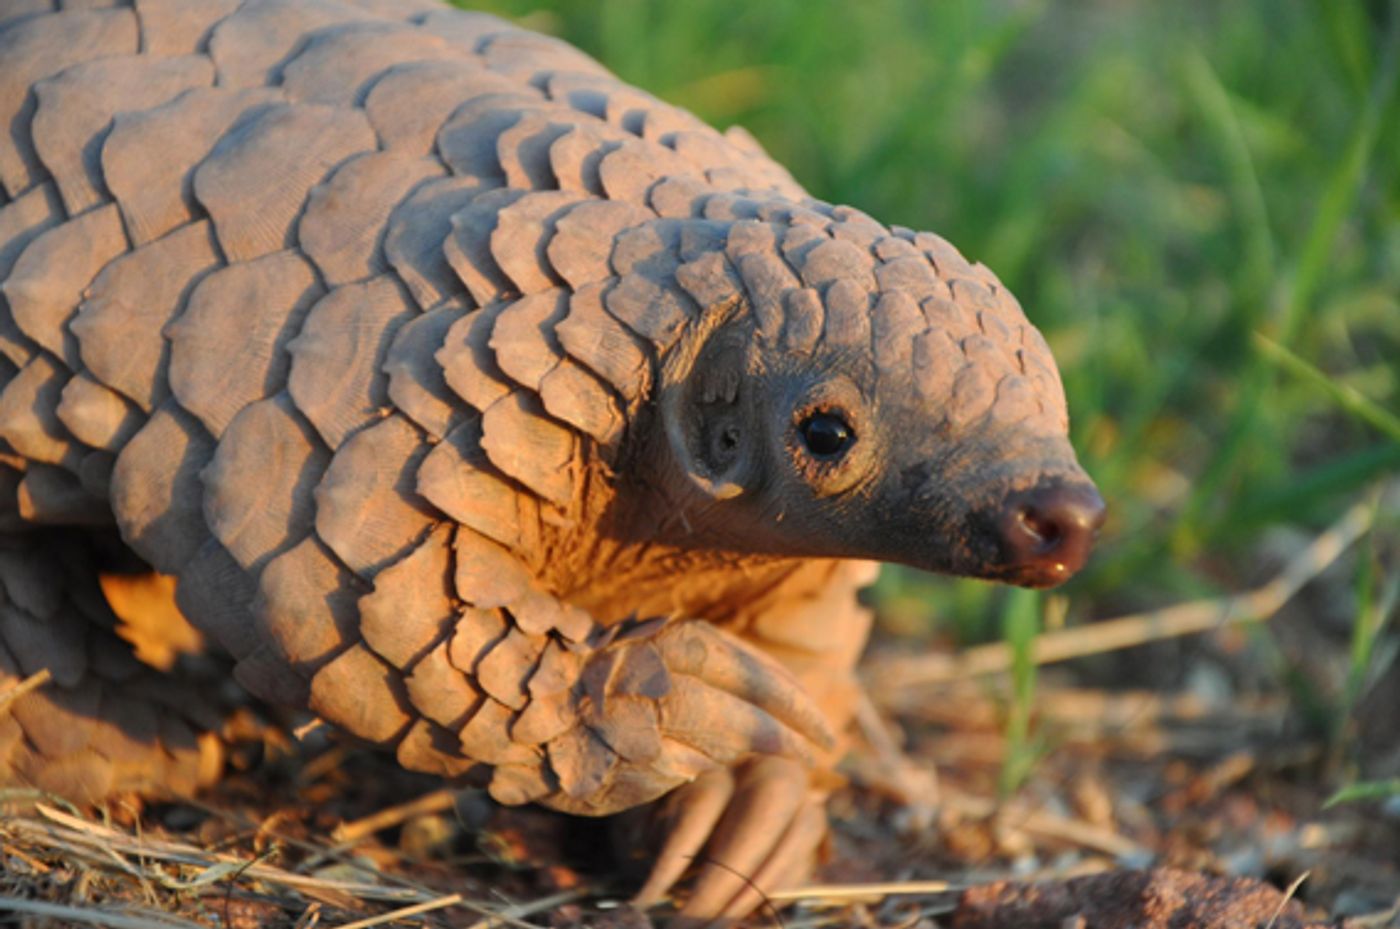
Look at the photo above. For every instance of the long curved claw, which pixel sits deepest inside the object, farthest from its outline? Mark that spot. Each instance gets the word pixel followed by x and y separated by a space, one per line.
pixel 725 727
pixel 747 831
pixel 690 814
pixel 727 664
pixel 788 864
pixel 767 798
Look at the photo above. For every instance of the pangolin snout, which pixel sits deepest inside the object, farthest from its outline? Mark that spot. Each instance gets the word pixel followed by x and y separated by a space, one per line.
pixel 1047 531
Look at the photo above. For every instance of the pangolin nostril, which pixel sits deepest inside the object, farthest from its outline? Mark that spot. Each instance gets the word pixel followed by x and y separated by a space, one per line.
pixel 1048 530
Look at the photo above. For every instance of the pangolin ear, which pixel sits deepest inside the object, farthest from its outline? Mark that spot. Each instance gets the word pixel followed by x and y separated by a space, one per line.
pixel 710 421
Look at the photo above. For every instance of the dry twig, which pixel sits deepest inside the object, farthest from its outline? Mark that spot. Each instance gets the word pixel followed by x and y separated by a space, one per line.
pixel 506 916
pixel 1048 825
pixel 848 893
pixel 435 802
pixel 511 914
pixel 32 682
pixel 130 919
pixel 1288 895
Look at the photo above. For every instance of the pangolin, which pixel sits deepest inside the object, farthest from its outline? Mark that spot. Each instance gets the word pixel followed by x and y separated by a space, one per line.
pixel 491 409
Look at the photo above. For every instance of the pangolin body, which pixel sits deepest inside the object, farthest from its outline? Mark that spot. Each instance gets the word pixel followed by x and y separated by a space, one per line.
pixel 419 350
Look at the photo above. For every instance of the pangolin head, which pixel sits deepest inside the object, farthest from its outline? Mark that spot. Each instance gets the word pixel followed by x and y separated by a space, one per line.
pixel 876 396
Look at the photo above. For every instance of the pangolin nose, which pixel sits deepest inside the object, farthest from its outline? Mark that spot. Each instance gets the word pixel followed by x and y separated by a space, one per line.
pixel 1048 530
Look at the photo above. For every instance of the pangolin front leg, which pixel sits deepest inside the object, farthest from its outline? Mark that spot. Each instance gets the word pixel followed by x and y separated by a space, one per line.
pixel 655 707
pixel 755 827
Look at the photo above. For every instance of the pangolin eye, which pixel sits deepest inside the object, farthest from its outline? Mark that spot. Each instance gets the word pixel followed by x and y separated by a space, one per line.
pixel 826 435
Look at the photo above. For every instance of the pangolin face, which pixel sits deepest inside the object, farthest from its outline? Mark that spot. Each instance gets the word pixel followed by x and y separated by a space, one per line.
pixel 954 457
pixel 922 424
pixel 893 476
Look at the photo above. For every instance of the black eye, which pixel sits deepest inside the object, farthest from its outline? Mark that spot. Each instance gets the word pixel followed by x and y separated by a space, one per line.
pixel 826 435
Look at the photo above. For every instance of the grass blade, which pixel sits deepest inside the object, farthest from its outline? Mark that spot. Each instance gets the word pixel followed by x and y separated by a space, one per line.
pixel 1348 399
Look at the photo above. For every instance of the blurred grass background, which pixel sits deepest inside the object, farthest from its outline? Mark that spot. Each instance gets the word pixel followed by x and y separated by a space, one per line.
pixel 1197 202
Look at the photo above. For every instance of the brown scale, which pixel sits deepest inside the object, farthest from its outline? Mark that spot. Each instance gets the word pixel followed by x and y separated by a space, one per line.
pixel 338 65
pixel 582 245
pixel 255 181
pixel 468 365
pixel 148 149
pixel 306 604
pixel 229 346
pixel 21 220
pixel 468 249
pixel 458 479
pixel 335 378
pixel 29 414
pixel 380 715
pixel 119 325
pixel 443 694
pixel 526 55
pixel 408 103
pixel 601 343
pixel 174 27
pixel 76 107
pixel 254 513
pixel 342 230
pixel 157 493
pixel 416 386
pixel 40 302
pixel 522 337
pixel 468 143
pixel 465 29
pixel 97 416
pixel 414 237
pixel 35 49
pixel 368 510
pixel 523 229
pixel 250 46
pixel 56 496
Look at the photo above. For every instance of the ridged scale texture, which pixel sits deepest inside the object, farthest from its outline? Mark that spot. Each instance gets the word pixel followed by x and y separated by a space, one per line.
pixel 334 308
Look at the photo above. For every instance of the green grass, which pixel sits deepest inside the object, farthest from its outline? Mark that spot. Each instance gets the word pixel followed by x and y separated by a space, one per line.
pixel 1199 203
pixel 1367 790
pixel 1020 627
